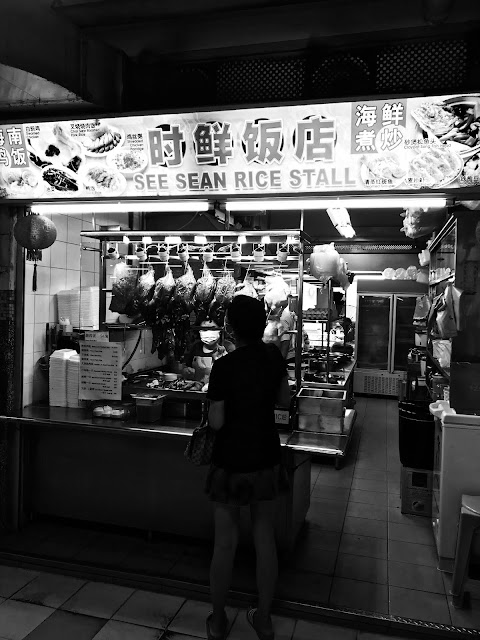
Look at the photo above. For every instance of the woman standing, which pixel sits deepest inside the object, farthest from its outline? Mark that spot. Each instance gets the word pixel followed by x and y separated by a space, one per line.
pixel 244 388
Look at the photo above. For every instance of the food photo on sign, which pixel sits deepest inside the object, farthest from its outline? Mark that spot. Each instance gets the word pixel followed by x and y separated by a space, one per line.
pixel 404 143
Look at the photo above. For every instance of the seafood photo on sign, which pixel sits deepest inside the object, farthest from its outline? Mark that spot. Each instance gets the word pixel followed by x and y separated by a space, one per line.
pixel 455 120
pixel 434 166
pixel 471 172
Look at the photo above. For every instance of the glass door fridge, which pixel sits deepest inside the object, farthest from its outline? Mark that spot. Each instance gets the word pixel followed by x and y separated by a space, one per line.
pixel 384 335
pixel 373 331
pixel 385 331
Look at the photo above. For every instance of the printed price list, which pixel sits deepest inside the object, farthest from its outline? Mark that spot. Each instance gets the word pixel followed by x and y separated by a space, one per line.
pixel 100 371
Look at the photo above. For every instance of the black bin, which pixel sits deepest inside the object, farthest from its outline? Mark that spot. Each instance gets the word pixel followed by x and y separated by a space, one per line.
pixel 415 435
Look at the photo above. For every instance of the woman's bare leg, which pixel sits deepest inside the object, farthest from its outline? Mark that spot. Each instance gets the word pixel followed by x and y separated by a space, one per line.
pixel 263 518
pixel 227 519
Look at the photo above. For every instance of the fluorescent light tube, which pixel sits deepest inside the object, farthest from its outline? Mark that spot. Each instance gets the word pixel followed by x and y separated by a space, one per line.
pixel 147 240
pixel 242 240
pixel 394 202
pixel 200 240
pixel 121 207
pixel 173 240
pixel 266 240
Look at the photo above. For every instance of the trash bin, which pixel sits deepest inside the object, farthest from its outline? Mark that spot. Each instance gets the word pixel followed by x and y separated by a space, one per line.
pixel 415 435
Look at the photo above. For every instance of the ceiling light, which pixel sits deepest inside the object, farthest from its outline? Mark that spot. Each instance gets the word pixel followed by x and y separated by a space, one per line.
pixel 126 240
pixel 200 240
pixel 147 240
pixel 173 240
pixel 266 240
pixel 121 207
pixel 393 202
pixel 242 240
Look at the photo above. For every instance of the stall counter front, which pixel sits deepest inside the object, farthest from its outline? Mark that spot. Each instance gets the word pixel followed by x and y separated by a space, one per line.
pixel 132 474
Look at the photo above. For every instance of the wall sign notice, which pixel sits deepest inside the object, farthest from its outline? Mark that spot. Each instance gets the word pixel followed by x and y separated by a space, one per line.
pixel 100 371
pixel 390 144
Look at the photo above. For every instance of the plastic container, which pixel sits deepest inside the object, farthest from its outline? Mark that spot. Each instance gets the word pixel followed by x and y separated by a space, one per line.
pixel 149 408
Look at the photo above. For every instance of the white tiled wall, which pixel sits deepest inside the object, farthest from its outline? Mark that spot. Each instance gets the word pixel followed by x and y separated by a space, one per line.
pixel 143 358
pixel 58 270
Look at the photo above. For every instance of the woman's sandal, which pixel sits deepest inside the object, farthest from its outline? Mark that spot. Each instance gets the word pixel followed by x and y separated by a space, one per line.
pixel 212 636
pixel 261 635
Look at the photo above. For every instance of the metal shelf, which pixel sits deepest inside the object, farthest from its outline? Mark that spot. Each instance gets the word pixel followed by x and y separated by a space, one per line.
pixel 334 444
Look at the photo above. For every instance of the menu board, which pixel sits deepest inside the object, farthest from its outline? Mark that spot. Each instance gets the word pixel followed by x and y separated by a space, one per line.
pixel 100 371
pixel 391 144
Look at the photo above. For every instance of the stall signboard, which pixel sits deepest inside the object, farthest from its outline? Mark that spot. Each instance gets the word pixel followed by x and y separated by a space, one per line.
pixel 100 370
pixel 391 144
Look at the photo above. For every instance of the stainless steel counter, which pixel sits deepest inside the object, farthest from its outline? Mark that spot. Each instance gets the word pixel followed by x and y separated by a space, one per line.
pixel 82 418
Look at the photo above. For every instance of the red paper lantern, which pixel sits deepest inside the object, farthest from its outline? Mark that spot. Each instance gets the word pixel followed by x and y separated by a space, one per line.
pixel 34 233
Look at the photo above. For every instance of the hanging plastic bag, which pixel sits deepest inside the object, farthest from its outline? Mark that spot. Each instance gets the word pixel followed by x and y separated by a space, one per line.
pixel 442 351
pixel 422 307
pixel 446 322
pixel 424 257
pixel 422 276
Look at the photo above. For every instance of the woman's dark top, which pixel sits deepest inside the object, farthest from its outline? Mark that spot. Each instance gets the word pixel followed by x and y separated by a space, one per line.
pixel 247 380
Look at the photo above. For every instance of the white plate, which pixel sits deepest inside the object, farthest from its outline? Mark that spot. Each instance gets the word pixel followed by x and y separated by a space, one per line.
pixel 101 154
pixel 115 160
pixel 92 185
pixel 66 172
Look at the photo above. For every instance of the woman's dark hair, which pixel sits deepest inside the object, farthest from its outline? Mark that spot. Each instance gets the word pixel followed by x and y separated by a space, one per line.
pixel 247 318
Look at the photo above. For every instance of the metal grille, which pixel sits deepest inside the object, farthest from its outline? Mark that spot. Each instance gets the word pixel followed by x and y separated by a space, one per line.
pixel 422 67
pixel 260 80
pixel 381 385
pixel 342 74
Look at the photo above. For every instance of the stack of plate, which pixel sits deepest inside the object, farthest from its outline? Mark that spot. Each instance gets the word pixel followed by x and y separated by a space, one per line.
pixel 58 377
pixel 73 380
pixel 80 306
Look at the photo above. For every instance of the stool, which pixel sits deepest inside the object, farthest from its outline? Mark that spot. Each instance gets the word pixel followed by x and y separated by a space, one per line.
pixel 469 521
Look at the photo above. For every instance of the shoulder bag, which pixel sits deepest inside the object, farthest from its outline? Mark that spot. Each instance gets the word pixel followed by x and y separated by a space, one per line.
pixel 200 446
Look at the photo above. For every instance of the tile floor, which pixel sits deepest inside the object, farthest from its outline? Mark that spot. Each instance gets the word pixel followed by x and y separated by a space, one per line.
pixel 43 606
pixel 357 549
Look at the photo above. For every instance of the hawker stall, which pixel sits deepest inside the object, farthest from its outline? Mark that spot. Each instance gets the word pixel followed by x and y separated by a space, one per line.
pixel 172 293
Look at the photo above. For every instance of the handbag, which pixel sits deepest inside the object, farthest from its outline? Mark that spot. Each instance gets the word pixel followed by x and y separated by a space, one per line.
pixel 199 449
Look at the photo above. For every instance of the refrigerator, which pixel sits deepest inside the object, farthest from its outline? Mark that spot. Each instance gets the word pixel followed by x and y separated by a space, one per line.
pixel 384 336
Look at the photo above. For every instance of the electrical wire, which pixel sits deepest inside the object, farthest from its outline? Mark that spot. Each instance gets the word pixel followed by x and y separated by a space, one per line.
pixel 133 352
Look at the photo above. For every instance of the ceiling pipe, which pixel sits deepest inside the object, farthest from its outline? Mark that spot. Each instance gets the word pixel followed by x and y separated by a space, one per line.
pixel 437 11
